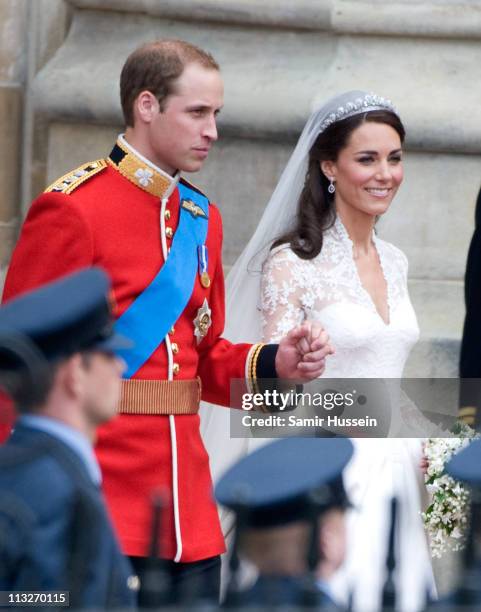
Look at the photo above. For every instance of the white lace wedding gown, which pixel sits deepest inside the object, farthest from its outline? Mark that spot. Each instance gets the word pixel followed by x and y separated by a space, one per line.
pixel 328 289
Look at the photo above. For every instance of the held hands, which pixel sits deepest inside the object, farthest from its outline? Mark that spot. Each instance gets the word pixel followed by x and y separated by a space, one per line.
pixel 424 462
pixel 302 353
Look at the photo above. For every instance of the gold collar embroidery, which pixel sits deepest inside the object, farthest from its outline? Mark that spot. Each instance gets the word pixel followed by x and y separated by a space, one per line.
pixel 140 171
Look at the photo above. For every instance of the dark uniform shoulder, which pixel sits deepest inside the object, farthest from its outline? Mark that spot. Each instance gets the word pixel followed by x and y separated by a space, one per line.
pixel 26 473
pixel 70 181
pixel 14 455
pixel 37 461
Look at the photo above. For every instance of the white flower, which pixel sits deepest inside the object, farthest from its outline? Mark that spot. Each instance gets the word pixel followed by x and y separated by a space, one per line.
pixel 144 176
pixel 446 518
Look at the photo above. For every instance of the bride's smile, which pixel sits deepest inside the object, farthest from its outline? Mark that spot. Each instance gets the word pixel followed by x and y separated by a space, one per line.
pixel 368 171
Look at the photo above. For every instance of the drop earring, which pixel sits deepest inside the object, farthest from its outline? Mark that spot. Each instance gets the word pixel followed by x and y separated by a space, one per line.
pixel 332 188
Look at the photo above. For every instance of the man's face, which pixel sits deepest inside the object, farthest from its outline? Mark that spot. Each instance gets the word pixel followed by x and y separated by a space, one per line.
pixel 181 136
pixel 103 372
pixel 332 540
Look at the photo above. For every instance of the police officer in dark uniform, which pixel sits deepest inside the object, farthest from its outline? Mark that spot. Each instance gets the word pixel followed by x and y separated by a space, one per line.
pixel 289 501
pixel 470 361
pixel 57 363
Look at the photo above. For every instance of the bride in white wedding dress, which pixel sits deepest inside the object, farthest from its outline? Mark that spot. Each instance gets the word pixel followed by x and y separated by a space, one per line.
pixel 323 261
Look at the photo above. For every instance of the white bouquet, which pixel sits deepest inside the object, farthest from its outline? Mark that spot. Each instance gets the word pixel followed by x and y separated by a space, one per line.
pixel 446 517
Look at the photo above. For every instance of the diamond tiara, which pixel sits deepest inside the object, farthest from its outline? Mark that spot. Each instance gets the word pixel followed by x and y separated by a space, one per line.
pixel 370 102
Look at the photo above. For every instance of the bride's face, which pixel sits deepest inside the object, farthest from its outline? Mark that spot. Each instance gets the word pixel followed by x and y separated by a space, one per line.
pixel 369 170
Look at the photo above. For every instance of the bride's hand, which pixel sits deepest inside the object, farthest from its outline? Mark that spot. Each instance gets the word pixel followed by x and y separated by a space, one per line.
pixel 317 339
pixel 291 360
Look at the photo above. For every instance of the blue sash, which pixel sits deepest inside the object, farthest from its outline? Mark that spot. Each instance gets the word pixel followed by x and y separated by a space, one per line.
pixel 148 319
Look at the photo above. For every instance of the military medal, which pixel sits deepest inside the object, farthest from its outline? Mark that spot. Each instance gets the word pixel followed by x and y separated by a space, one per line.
pixel 205 280
pixel 202 321
pixel 203 261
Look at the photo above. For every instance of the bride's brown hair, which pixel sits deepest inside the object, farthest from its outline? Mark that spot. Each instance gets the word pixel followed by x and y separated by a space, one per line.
pixel 315 211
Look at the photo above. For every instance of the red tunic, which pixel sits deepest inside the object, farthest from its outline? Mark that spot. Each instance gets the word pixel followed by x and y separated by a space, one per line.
pixel 109 221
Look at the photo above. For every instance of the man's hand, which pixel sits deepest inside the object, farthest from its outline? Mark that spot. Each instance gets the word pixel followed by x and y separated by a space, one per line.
pixel 302 353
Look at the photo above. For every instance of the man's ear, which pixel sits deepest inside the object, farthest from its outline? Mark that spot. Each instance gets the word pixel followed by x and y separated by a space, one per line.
pixel 146 107
pixel 72 375
pixel 328 168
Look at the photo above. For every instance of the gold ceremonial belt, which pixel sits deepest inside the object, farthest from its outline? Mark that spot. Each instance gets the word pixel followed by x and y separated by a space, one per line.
pixel 160 396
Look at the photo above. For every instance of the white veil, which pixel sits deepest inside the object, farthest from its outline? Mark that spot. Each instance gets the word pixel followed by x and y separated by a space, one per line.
pixel 243 321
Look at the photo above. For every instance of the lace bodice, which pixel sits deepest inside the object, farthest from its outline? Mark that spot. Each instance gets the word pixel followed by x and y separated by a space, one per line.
pixel 328 289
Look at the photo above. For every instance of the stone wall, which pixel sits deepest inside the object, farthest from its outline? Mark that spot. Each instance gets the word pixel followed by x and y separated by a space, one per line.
pixel 280 59
pixel 12 71
pixel 30 33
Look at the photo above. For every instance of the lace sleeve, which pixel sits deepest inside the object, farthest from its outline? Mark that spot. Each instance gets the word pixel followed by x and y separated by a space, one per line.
pixel 281 295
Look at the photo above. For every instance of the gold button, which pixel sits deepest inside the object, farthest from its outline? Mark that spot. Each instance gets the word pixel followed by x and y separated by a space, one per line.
pixel 175 348
pixel 169 232
pixel 175 369
pixel 167 214
pixel 172 330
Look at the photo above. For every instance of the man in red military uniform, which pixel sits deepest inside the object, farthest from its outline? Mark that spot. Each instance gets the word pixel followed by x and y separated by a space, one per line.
pixel 160 240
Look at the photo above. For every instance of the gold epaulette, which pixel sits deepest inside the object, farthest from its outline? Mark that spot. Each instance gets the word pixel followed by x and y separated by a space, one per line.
pixel 70 181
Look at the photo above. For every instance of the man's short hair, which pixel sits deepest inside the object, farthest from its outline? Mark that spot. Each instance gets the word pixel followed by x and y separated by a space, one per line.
pixel 155 67
pixel 28 389
pixel 30 384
